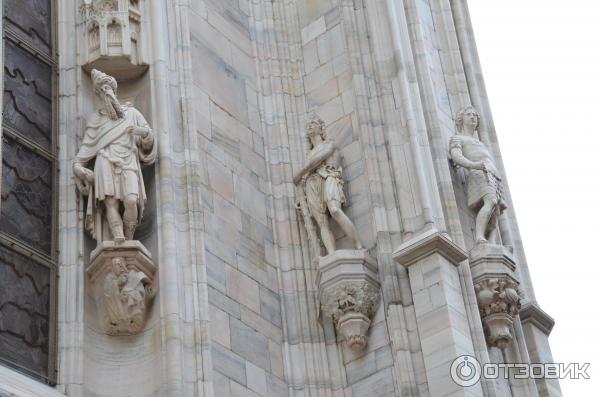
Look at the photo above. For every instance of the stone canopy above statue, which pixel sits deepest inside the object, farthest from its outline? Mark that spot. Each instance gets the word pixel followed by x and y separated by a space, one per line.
pixel 113 37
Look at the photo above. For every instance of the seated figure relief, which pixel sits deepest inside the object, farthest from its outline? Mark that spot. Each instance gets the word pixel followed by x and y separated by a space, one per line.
pixel 125 294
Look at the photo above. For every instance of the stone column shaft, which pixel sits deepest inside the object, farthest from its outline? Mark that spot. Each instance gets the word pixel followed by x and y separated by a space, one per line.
pixel 432 260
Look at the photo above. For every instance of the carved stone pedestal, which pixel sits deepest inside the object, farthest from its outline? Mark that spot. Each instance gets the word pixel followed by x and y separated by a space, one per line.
pixel 349 292
pixel 492 267
pixel 121 278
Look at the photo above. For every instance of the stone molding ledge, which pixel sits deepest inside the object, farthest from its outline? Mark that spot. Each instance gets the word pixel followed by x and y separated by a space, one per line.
pixel 17 384
pixel 428 243
pixel 532 313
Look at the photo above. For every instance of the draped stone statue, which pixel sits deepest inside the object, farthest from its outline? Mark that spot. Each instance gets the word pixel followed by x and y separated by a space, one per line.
pixel 119 139
pixel 484 187
pixel 321 184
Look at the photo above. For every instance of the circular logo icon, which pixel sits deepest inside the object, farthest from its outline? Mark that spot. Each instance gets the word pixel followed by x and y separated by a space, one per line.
pixel 465 371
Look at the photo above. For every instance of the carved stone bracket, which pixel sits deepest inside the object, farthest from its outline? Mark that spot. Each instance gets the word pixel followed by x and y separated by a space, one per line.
pixel 497 291
pixel 349 293
pixel 498 302
pixel 121 279
pixel 112 37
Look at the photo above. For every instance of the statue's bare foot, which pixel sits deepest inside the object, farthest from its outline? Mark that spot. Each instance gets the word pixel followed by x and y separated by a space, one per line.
pixel 481 240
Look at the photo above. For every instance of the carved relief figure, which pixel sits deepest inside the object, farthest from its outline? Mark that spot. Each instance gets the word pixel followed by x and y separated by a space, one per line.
pixel 484 195
pixel 320 180
pixel 125 293
pixel 119 139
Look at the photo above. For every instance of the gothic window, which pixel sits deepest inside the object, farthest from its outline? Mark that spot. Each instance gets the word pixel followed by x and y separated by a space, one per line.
pixel 27 190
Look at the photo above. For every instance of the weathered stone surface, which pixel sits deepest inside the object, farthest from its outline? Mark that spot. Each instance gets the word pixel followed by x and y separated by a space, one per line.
pixel 228 90
pixel 250 344
pixel 229 364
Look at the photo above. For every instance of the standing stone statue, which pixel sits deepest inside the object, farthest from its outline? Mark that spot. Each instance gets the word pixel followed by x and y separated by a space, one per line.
pixel 484 194
pixel 119 139
pixel 320 181
pixel 125 293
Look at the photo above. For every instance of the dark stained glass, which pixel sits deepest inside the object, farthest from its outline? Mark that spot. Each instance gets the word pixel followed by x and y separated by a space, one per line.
pixel 31 20
pixel 26 195
pixel 24 312
pixel 28 169
pixel 27 95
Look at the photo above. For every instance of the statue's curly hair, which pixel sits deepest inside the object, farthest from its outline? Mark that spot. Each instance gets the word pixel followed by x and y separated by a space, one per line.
pixel 458 121
pixel 315 123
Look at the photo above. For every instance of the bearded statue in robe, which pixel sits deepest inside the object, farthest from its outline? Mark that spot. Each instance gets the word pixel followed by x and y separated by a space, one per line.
pixel 120 140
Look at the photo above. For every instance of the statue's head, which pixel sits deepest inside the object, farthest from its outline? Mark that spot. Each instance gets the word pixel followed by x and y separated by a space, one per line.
pixel 315 127
pixel 118 265
pixel 105 87
pixel 467 116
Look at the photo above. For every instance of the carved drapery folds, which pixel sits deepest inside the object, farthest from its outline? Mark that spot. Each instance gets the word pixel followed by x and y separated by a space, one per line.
pixel 112 31
pixel 117 141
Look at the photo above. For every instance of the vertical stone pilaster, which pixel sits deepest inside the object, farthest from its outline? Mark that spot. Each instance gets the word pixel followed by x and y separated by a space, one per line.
pixel 537 326
pixel 432 259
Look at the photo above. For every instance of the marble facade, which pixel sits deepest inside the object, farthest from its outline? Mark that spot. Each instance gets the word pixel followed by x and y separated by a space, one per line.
pixel 241 300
